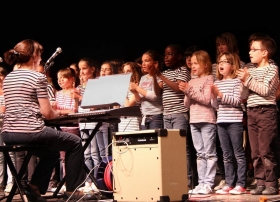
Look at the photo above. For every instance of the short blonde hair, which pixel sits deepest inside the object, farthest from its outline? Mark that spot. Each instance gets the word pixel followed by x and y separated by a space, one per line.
pixel 203 59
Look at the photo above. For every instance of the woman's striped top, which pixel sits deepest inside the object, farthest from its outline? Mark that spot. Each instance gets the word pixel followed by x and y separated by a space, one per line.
pixel 22 88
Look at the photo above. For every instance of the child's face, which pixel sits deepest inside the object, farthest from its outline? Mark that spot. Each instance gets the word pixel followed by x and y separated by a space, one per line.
pixel 222 47
pixel 105 70
pixel 147 63
pixel 86 72
pixel 256 52
pixel 197 69
pixel 2 77
pixel 225 67
pixel 64 83
pixel 188 62
pixel 127 69
pixel 171 58
pixel 75 69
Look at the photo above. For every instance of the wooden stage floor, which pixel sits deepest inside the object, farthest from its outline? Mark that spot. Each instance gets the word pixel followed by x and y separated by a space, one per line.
pixel 195 198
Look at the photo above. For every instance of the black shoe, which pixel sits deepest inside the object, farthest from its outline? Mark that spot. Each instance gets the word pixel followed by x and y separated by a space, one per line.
pixel 32 196
pixel 270 191
pixel 258 191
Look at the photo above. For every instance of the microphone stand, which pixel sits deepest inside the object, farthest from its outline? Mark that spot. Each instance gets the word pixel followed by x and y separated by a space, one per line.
pixel 47 66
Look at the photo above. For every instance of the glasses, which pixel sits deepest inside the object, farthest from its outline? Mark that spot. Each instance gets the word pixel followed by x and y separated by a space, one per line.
pixel 255 49
pixel 224 62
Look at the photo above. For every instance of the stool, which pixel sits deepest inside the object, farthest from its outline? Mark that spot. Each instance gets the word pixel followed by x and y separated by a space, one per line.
pixel 18 175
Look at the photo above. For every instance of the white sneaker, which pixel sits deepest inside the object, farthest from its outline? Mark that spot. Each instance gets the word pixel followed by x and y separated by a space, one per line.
pixel 224 190
pixel 238 190
pixel 195 190
pixel 61 191
pixel 89 187
pixel 8 188
pixel 220 185
pixel 206 189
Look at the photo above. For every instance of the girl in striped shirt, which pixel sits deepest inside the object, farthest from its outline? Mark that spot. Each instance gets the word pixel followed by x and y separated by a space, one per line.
pixel 65 103
pixel 226 98
pixel 202 120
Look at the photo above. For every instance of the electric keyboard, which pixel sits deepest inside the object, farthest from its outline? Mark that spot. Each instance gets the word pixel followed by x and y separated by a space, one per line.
pixel 104 115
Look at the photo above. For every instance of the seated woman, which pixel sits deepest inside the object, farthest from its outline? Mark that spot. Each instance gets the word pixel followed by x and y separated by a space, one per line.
pixel 27 105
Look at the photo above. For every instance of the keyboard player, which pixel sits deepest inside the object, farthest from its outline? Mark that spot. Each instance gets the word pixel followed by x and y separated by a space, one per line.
pixel 27 102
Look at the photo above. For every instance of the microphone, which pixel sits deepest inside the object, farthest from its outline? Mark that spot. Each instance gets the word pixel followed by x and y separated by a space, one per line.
pixel 1 60
pixel 58 50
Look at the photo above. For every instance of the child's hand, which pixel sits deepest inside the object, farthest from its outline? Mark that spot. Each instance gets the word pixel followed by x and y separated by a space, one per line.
pixel 133 86
pixel 155 71
pixel 215 91
pixel 183 86
pixel 2 109
pixel 242 74
pixel 53 105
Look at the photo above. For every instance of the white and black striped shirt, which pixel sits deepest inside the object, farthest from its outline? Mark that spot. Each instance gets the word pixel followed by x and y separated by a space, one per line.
pixel 22 88
pixel 174 102
pixel 229 106
pixel 261 85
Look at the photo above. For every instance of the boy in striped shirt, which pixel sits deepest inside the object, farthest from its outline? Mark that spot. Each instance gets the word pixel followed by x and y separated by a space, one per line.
pixel 260 84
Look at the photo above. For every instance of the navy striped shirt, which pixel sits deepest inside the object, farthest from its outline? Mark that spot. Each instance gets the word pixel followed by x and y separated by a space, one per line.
pixel 22 88
pixel 172 101
pixel 261 86
pixel 229 107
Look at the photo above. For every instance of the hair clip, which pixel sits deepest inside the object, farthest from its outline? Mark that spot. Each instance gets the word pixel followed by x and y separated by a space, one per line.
pixel 15 52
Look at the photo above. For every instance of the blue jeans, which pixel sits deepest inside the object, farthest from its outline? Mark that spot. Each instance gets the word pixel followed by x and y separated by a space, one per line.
pixel 5 168
pixel 57 141
pixel 96 150
pixel 204 140
pixel 231 139
pixel 153 122
pixel 176 121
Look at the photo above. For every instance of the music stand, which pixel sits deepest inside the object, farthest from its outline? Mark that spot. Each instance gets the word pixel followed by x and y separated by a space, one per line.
pixel 106 91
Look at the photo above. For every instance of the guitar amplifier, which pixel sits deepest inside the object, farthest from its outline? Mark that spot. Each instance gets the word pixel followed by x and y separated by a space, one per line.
pixel 150 165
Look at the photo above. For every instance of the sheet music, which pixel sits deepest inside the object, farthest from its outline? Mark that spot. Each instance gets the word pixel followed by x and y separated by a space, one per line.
pixel 106 91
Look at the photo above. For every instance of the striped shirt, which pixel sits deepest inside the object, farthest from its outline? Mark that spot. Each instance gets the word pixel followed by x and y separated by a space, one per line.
pixel 229 107
pixel 90 125
pixel 51 92
pixel 2 103
pixel 198 100
pixel 131 123
pixel 66 102
pixel 22 88
pixel 174 102
pixel 261 85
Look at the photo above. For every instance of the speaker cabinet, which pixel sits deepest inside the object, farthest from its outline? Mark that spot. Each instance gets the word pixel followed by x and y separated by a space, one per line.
pixel 150 165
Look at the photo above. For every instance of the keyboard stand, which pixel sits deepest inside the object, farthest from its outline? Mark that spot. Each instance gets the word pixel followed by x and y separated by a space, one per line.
pixel 95 130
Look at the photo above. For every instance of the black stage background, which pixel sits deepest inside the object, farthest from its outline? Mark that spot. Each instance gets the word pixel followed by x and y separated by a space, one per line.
pixel 124 30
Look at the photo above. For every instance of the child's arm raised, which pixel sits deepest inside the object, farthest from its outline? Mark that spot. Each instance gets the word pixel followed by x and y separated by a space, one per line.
pixel 235 98
pixel 172 84
pixel 263 88
pixel 202 95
